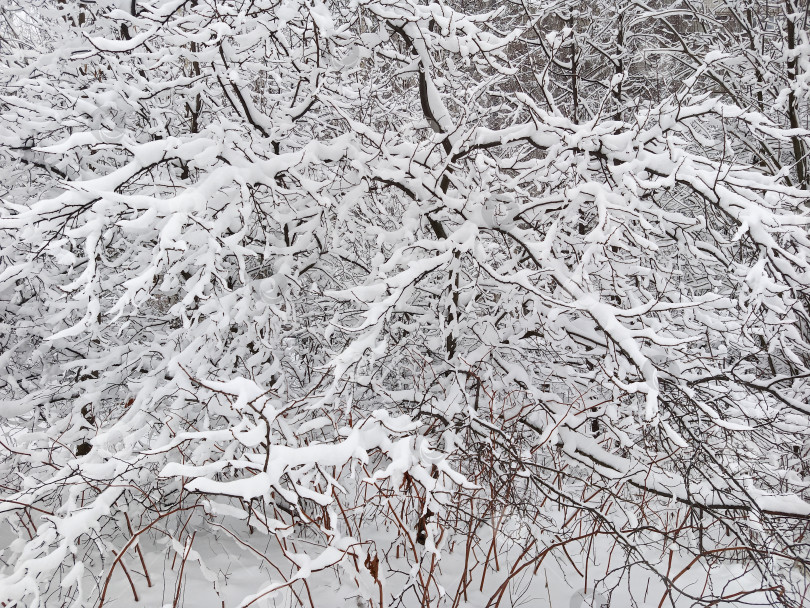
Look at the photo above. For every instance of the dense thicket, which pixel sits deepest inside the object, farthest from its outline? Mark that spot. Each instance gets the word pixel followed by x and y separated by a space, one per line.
pixel 417 304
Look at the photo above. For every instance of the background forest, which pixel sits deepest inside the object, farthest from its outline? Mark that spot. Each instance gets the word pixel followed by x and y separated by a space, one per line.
pixel 466 304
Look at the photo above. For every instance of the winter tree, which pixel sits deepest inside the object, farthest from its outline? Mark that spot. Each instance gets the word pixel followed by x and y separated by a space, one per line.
pixel 454 304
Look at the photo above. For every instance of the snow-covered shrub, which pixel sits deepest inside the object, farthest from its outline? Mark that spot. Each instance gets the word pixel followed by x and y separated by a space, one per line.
pixel 306 301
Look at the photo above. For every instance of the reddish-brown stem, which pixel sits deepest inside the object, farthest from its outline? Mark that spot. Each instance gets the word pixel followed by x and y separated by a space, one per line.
pixel 182 568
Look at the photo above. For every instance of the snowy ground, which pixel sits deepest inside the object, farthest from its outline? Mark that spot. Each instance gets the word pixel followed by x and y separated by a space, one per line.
pixel 231 575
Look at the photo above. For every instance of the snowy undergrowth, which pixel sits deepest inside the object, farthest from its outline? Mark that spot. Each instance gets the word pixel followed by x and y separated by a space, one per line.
pixel 402 304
